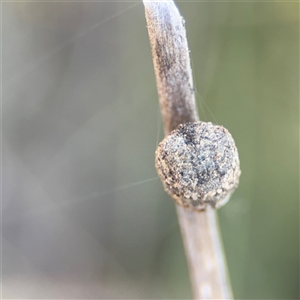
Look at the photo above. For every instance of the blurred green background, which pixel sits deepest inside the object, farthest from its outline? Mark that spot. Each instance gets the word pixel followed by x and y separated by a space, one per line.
pixel 84 214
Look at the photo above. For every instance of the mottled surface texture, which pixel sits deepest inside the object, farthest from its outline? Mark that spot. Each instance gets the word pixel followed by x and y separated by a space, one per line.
pixel 198 164
pixel 171 60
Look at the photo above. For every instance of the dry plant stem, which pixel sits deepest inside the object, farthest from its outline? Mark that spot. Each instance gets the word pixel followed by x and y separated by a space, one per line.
pixel 205 255
pixel 174 81
pixel 171 63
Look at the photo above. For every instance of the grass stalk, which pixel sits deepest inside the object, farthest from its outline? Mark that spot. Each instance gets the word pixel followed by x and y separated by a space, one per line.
pixel 199 229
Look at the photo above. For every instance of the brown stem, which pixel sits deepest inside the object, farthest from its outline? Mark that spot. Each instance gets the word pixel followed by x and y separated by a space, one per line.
pixel 174 81
pixel 171 63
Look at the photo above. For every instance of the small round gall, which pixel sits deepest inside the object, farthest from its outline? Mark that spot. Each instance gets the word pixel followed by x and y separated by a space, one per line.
pixel 198 164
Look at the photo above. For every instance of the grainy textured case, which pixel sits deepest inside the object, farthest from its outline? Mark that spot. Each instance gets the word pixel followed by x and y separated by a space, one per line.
pixel 198 164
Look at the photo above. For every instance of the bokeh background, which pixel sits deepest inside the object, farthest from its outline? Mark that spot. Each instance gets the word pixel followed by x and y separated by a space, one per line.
pixel 84 214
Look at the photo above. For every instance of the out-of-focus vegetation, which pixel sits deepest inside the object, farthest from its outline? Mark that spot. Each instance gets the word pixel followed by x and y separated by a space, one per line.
pixel 81 123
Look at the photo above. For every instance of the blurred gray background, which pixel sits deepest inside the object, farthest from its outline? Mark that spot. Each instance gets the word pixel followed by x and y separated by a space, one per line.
pixel 84 214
